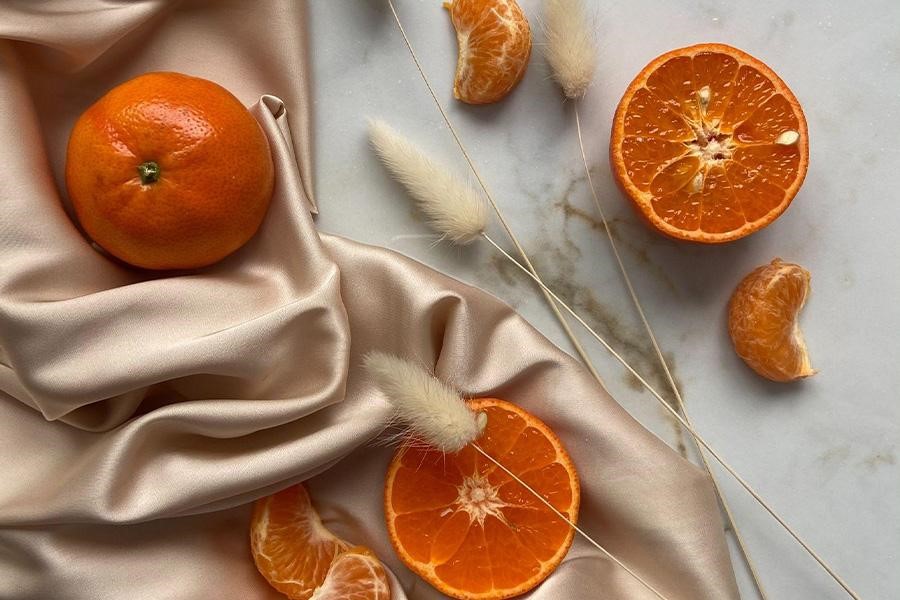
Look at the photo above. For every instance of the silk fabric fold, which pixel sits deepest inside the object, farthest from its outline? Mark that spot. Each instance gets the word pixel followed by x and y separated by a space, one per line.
pixel 141 414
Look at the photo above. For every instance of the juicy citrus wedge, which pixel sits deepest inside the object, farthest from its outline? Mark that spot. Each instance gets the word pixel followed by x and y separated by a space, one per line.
pixel 709 144
pixel 354 575
pixel 494 47
pixel 469 529
pixel 762 321
pixel 303 560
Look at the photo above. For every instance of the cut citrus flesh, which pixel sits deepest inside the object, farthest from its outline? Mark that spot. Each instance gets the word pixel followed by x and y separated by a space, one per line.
pixel 709 144
pixel 494 42
pixel 467 527
pixel 303 560
pixel 762 321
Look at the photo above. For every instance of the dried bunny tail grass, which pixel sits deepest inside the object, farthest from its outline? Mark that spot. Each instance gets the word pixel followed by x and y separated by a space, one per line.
pixel 452 206
pixel 569 48
pixel 434 412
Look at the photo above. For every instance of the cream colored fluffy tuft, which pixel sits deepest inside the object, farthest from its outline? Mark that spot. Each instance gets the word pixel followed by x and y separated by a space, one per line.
pixel 451 206
pixel 570 45
pixel 433 411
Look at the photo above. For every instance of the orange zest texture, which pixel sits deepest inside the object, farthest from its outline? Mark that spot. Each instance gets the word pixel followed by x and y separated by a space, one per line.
pixel 494 42
pixel 469 529
pixel 709 144
pixel 762 321
pixel 303 560
pixel 168 171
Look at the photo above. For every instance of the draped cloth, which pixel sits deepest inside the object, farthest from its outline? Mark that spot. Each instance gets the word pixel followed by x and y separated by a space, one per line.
pixel 141 414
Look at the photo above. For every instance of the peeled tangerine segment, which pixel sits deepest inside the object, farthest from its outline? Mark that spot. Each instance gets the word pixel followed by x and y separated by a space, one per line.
pixel 494 48
pixel 303 560
pixel 354 575
pixel 762 321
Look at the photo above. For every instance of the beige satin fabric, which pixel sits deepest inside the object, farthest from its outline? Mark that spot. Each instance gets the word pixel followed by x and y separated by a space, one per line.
pixel 140 414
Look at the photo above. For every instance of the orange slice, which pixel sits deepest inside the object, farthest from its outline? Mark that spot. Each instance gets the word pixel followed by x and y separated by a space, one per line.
pixel 494 42
pixel 709 144
pixel 762 321
pixel 303 560
pixel 470 530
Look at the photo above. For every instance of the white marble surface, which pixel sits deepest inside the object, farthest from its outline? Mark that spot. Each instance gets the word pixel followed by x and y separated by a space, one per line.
pixel 824 451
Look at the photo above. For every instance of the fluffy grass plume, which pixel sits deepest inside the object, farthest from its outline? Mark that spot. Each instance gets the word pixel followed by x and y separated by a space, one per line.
pixel 434 412
pixel 570 46
pixel 452 207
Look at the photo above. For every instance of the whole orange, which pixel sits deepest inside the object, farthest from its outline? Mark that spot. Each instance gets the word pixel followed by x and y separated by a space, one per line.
pixel 168 171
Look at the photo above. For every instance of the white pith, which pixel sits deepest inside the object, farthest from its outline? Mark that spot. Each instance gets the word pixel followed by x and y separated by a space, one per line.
pixel 467 40
pixel 480 499
pixel 796 334
pixel 710 146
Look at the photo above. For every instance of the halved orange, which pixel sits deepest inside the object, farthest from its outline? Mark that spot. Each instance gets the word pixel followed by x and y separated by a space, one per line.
pixel 469 529
pixel 494 42
pixel 303 560
pixel 762 321
pixel 709 144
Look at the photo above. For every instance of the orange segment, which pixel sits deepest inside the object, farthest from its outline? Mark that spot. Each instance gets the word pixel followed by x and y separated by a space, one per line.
pixel 709 144
pixel 354 575
pixel 675 176
pixel 758 196
pixel 650 116
pixel 762 321
pixel 494 47
pixel 751 89
pixel 766 123
pixel 644 155
pixel 291 547
pixel 450 537
pixel 717 72
pixel 493 539
pixel 303 560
